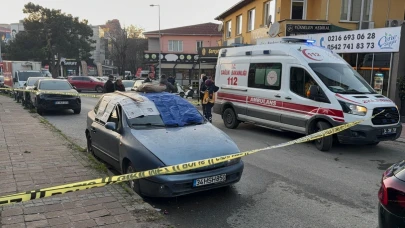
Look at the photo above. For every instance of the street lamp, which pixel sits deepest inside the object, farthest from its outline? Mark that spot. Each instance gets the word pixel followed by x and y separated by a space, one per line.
pixel 160 44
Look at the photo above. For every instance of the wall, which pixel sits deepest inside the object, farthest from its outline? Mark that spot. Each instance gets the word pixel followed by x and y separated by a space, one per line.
pixel 153 44
pixel 189 43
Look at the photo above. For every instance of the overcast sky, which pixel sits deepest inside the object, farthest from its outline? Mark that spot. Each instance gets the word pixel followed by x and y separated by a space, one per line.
pixel 174 13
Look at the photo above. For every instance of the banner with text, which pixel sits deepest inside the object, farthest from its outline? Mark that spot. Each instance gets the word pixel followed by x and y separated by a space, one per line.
pixel 356 41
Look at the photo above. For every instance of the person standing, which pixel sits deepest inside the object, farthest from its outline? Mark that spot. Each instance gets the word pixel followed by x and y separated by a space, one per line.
pixel 109 85
pixel 118 86
pixel 203 87
pixel 169 87
pixel 209 98
pixel 149 78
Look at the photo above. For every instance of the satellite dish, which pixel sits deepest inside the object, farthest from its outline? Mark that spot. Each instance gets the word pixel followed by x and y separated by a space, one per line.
pixel 394 23
pixel 269 19
pixel 274 29
pixel 220 26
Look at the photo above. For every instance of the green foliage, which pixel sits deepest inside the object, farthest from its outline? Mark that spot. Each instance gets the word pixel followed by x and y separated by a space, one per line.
pixel 49 32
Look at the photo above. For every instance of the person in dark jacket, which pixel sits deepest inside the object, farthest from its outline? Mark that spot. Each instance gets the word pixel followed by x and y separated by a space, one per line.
pixel 203 87
pixel 109 85
pixel 209 98
pixel 149 78
pixel 118 86
pixel 169 87
pixel 171 80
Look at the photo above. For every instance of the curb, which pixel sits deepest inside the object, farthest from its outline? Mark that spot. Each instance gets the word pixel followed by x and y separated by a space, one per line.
pixel 401 140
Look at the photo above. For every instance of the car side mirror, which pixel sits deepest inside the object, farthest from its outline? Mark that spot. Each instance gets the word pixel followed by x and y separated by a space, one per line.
pixel 35 88
pixel 111 126
pixel 316 94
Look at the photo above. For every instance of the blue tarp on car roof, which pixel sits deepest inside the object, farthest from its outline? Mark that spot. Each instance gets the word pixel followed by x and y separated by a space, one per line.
pixel 175 110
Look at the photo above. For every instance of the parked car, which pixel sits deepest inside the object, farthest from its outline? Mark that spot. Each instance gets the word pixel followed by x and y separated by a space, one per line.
pixel 391 208
pixel 29 85
pixel 140 142
pixel 128 84
pixel 89 83
pixel 44 102
pixel 103 79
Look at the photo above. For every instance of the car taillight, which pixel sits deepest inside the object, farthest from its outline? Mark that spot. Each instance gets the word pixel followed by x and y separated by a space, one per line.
pixel 383 195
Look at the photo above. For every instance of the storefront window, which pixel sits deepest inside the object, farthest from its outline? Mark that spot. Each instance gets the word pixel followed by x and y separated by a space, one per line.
pixel 364 66
pixel 350 58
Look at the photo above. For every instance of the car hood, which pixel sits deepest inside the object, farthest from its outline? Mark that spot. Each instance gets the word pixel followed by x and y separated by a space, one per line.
pixel 368 100
pixel 60 91
pixel 184 144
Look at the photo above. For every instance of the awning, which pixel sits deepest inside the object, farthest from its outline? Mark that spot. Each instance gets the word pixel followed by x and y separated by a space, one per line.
pixel 184 66
pixel 334 28
pixel 167 65
pixel 205 66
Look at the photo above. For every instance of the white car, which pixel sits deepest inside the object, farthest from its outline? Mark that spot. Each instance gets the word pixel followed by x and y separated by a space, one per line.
pixel 128 84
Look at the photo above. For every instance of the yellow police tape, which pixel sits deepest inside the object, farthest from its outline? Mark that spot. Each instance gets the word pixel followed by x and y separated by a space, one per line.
pixel 83 185
pixel 52 92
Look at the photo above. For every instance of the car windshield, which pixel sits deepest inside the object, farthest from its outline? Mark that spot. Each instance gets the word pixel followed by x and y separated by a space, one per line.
pixel 341 78
pixel 54 85
pixel 128 84
pixel 23 76
pixel 31 81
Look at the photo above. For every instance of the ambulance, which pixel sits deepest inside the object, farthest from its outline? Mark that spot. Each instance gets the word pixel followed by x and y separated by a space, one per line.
pixel 295 86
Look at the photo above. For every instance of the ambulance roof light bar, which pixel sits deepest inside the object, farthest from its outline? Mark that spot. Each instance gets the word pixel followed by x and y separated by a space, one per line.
pixel 297 40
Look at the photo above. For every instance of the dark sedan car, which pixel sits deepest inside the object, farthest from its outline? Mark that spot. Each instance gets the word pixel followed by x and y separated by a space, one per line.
pixel 44 101
pixel 391 208
pixel 155 130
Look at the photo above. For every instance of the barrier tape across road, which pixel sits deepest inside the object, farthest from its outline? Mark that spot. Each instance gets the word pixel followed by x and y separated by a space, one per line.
pixel 100 182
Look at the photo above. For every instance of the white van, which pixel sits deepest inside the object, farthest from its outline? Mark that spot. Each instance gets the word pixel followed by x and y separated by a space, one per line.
pixel 294 86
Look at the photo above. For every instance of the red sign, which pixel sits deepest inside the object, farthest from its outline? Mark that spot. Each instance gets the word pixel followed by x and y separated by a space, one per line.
pixel 47 67
pixel 138 72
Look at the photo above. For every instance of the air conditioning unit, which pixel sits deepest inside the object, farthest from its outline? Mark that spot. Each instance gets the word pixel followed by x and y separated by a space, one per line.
pixel 394 23
pixel 239 40
pixel 366 25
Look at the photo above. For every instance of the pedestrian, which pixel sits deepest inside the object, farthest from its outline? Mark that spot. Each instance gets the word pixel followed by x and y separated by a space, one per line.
pixel 171 80
pixel 203 87
pixel 209 98
pixel 119 86
pixel 109 85
pixel 169 87
pixel 149 78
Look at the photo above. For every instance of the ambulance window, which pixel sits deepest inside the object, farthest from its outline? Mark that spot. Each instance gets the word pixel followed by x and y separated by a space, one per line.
pixel 265 76
pixel 300 81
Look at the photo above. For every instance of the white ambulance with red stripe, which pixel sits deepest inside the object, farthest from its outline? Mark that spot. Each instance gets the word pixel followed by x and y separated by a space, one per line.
pixel 295 86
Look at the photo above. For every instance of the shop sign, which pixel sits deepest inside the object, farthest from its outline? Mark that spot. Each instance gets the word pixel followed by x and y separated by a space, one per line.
pixel 303 29
pixel 70 63
pixel 209 52
pixel 357 41
pixel 169 57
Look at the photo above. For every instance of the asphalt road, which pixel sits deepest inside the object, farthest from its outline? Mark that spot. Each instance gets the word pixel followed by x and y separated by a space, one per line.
pixel 295 186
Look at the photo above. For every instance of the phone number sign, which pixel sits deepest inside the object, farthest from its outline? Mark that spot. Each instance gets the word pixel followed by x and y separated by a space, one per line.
pixel 359 41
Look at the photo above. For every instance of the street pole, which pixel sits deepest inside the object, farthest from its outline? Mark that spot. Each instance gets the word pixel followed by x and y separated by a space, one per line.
pixel 160 43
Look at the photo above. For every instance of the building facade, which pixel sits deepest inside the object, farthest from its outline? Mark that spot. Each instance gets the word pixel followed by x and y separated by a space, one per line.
pixel 179 48
pixel 249 20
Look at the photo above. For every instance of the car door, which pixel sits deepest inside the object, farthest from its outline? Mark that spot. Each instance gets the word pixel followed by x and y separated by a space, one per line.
pixel 299 108
pixel 105 141
pixel 265 94
pixel 87 83
pixel 75 81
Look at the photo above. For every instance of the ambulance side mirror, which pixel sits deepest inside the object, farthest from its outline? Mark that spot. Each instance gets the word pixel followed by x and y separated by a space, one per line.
pixel 316 94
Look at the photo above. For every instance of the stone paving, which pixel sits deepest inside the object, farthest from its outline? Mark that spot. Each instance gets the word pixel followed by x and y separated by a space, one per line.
pixel 33 156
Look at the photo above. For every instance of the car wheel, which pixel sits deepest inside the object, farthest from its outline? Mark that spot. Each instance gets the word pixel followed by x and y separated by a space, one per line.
pixel 325 143
pixel 134 184
pixel 77 111
pixel 99 89
pixel 230 119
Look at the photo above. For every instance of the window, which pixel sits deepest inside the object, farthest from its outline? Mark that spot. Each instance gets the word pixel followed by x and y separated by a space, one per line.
pixel 269 10
pixel 115 117
pixel 199 44
pixel 298 9
pixel 239 25
pixel 351 10
pixel 54 85
pixel 251 19
pixel 265 75
pixel 228 27
pixel 176 45
pixel 300 81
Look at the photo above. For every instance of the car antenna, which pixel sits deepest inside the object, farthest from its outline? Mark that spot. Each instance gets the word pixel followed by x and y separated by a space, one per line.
pixel 137 99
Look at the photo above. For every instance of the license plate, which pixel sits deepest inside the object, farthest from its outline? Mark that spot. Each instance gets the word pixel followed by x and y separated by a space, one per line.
pixel 209 180
pixel 388 131
pixel 61 102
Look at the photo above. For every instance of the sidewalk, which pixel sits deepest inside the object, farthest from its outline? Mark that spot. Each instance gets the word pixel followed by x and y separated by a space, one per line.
pixel 32 156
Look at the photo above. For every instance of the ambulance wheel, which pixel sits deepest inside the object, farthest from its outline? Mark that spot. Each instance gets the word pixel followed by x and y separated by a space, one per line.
pixel 230 119
pixel 325 143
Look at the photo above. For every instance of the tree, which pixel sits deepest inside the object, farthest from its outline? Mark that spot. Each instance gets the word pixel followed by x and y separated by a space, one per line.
pixel 135 32
pixel 135 53
pixel 118 38
pixel 49 33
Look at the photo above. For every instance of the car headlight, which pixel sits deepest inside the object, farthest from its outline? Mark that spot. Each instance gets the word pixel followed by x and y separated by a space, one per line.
pixel 42 95
pixel 353 109
pixel 233 161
